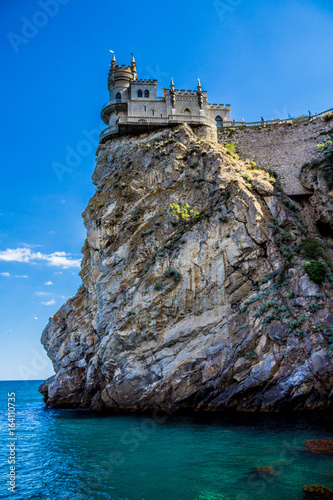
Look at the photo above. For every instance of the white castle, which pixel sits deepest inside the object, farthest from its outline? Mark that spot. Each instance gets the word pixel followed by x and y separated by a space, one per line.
pixel 134 107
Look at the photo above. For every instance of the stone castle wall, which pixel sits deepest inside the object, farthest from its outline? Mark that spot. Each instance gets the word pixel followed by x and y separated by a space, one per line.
pixel 284 148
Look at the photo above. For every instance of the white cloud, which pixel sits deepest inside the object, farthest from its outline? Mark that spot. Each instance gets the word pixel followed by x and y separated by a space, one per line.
pixel 29 245
pixel 58 259
pixel 49 283
pixel 5 274
pixel 49 303
pixel 21 276
pixel 43 294
pixel 35 317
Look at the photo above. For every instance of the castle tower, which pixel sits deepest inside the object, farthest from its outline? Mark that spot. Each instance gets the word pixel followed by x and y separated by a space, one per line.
pixel 120 78
pixel 119 82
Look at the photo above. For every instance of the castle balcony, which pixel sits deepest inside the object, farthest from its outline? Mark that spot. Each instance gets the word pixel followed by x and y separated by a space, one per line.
pixel 141 124
pixel 110 107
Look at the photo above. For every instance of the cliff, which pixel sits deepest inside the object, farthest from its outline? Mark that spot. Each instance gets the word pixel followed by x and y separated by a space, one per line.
pixel 208 310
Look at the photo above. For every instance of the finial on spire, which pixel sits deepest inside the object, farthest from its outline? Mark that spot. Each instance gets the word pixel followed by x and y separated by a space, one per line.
pixel 113 62
pixel 199 84
pixel 133 60
pixel 172 86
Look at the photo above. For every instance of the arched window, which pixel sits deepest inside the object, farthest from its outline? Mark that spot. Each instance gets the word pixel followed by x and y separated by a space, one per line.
pixel 153 112
pixel 139 93
pixel 146 93
pixel 219 121
pixel 187 111
pixel 118 97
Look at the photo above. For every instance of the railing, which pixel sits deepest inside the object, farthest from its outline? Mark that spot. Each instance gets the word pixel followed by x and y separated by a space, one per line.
pixel 114 101
pixel 108 131
pixel 147 120
pixel 191 118
pixel 276 121
pixel 142 119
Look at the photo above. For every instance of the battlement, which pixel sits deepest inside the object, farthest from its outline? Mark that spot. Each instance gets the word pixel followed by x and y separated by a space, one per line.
pixel 142 82
pixel 194 93
pixel 219 106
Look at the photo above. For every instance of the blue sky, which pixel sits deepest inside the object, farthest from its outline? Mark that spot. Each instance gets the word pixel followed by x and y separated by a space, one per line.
pixel 264 59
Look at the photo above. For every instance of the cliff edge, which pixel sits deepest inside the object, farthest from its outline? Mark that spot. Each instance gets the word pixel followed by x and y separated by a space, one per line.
pixel 203 286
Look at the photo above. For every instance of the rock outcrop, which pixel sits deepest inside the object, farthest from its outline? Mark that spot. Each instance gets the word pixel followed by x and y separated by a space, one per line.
pixel 209 311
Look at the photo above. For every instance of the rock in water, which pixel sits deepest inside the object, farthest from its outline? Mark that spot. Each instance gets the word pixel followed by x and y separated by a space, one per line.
pixel 265 470
pixel 182 309
pixel 317 492
pixel 319 445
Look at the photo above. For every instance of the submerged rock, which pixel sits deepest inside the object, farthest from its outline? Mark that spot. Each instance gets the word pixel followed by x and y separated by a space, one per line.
pixel 265 471
pixel 189 313
pixel 317 492
pixel 319 445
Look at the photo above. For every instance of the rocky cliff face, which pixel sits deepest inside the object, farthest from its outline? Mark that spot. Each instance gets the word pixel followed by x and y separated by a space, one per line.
pixel 207 312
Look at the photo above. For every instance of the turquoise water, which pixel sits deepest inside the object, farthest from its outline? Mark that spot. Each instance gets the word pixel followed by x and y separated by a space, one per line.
pixel 65 454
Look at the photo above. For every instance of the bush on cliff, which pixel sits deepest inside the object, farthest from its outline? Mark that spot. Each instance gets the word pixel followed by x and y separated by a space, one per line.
pixel 315 270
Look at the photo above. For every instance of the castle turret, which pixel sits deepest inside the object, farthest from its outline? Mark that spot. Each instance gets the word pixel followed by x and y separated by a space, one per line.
pixel 119 82
pixel 134 72
pixel 172 94
pixel 200 95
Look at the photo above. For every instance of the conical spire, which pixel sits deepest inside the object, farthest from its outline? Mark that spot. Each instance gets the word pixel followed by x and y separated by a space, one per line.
pixel 113 62
pixel 172 85
pixel 199 84
pixel 133 64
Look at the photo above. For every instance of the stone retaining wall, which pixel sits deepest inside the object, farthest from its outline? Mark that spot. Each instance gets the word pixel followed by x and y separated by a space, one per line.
pixel 284 148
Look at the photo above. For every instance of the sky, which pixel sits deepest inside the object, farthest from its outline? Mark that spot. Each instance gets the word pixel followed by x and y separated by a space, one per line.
pixel 270 59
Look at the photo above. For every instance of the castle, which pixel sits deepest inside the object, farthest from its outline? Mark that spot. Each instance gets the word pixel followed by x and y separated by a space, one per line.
pixel 134 107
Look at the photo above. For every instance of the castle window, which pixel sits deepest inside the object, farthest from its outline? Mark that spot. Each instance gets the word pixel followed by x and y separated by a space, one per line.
pixel 219 121
pixel 139 93
pixel 146 93
pixel 118 97
pixel 153 112
pixel 187 111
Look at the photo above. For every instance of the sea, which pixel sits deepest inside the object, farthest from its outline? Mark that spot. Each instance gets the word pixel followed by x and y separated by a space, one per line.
pixel 80 455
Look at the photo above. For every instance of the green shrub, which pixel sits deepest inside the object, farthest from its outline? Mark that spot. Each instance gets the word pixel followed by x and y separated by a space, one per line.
pixel 158 285
pixel 250 354
pixel 183 211
pixel 174 274
pixel 247 176
pixel 145 233
pixel 311 248
pixel 315 270
pixel 290 205
pixel 324 146
pixel 231 150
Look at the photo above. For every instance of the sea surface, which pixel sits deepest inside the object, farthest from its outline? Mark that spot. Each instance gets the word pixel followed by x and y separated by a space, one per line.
pixel 75 454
